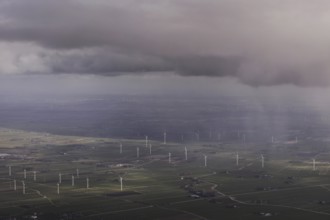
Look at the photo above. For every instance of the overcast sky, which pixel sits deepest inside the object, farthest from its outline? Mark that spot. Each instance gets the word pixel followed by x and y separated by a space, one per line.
pixel 256 43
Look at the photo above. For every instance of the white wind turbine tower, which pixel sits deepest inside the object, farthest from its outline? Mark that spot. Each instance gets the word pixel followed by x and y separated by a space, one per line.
pixel 87 183
pixel 23 185
pixel 121 183
pixel 186 153
pixel 137 152
pixel 58 188
pixel 35 176
pixel 314 164
pixel 165 136
pixel 146 141
pixel 237 158
pixel 197 136
pixel 169 158
pixel 121 148
pixel 205 160
pixel 150 146
pixel 262 161
pixel 72 180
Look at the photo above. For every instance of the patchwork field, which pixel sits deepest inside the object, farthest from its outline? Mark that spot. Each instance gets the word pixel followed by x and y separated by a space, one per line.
pixel 156 186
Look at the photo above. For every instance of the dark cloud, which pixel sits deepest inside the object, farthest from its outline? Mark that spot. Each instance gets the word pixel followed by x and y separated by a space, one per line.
pixel 105 62
pixel 207 66
pixel 259 42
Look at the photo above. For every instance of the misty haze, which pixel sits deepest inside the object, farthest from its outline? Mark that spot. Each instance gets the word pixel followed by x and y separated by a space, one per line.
pixel 172 109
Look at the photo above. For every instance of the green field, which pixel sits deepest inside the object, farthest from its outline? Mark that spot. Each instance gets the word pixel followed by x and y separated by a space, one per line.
pixel 286 188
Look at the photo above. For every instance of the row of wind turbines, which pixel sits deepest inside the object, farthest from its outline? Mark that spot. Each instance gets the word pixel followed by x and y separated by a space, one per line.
pixel 73 177
pixel 147 145
pixel 240 135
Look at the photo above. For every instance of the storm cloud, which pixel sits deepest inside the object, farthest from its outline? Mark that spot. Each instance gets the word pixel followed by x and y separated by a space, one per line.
pixel 258 42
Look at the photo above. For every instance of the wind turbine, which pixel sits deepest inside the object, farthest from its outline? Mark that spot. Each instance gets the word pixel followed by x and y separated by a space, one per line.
pixel 262 161
pixel 58 188
pixel 205 160
pixel 137 152
pixel 169 158
pixel 72 180
pixel 165 136
pixel 121 183
pixel 23 185
pixel 35 176
pixel 197 136
pixel 237 158
pixel 186 153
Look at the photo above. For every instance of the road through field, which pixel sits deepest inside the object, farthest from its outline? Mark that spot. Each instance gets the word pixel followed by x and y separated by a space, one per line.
pixel 231 197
